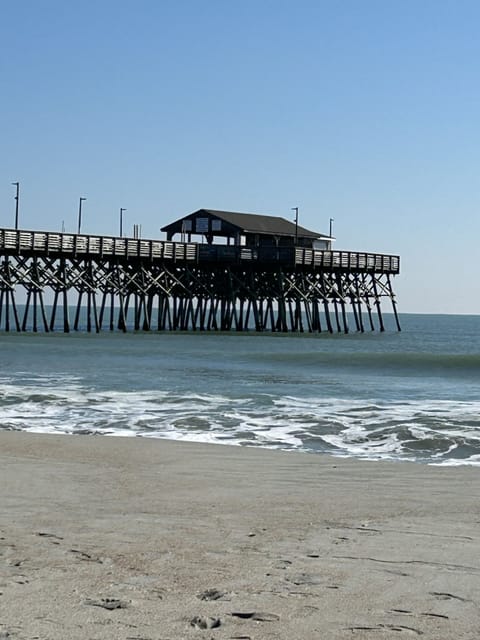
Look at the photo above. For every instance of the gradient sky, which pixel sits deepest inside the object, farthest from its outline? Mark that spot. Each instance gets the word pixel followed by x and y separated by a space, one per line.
pixel 363 111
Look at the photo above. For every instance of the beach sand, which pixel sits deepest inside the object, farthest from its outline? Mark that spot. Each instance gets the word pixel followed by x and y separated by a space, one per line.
pixel 144 539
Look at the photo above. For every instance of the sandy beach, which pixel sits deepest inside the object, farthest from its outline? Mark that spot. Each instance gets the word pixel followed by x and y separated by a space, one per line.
pixel 144 539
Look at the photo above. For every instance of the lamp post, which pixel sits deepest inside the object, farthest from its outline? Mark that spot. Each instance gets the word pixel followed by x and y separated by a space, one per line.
pixel 17 197
pixel 80 214
pixel 122 209
pixel 296 224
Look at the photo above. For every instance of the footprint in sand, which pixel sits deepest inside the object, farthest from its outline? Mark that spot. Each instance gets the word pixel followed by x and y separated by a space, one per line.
pixel 107 603
pixel 205 623
pixel 440 595
pixel 258 616
pixel 211 594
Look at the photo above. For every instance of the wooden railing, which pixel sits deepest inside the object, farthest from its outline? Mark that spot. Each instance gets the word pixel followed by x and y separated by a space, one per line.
pixel 70 244
pixel 20 242
pixel 348 260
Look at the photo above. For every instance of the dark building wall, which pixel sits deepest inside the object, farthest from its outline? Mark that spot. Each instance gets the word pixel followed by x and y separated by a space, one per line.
pixel 210 225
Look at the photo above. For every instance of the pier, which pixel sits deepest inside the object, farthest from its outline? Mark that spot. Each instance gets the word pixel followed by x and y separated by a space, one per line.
pixel 63 281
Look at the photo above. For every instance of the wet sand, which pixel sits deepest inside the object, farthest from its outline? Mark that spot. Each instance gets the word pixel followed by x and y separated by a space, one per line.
pixel 140 539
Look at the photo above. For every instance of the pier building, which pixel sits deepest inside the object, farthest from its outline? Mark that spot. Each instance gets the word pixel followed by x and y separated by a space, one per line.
pixel 216 271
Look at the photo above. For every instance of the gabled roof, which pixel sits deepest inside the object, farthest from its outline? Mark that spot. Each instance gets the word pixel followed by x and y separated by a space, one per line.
pixel 255 223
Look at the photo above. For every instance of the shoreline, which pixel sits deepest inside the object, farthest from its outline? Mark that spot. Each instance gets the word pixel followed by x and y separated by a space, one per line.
pixel 151 538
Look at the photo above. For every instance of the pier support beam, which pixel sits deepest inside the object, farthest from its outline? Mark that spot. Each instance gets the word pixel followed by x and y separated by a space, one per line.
pixel 145 295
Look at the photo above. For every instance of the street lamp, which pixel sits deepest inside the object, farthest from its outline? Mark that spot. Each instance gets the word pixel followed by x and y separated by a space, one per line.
pixel 122 209
pixel 16 184
pixel 296 224
pixel 80 214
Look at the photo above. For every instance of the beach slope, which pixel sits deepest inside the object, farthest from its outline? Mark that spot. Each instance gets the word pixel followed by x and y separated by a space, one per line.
pixel 142 539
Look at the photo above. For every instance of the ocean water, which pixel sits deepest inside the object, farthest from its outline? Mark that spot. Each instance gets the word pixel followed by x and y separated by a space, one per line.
pixel 413 395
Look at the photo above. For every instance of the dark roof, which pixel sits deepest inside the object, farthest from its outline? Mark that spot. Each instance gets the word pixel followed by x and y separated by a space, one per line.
pixel 255 223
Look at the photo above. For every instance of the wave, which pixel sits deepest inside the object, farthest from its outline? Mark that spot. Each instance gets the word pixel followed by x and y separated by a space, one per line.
pixel 432 431
pixel 411 363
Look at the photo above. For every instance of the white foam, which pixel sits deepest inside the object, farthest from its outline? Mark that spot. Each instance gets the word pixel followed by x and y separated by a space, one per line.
pixel 342 426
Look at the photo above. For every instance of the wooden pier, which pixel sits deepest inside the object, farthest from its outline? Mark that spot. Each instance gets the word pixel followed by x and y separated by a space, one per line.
pixel 74 282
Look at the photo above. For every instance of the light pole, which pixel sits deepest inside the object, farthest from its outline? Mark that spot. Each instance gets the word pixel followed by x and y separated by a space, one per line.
pixel 122 209
pixel 17 196
pixel 296 224
pixel 80 214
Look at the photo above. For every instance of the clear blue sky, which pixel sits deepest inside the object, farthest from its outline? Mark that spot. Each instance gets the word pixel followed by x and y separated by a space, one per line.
pixel 364 111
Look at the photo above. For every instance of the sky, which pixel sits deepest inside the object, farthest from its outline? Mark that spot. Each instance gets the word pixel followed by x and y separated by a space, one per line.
pixel 364 111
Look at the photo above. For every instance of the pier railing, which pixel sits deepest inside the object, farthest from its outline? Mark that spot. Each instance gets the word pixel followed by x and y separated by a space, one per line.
pixel 69 244
pixel 49 243
pixel 351 260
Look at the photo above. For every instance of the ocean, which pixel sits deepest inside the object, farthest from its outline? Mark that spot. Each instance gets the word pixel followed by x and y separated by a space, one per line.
pixel 413 395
